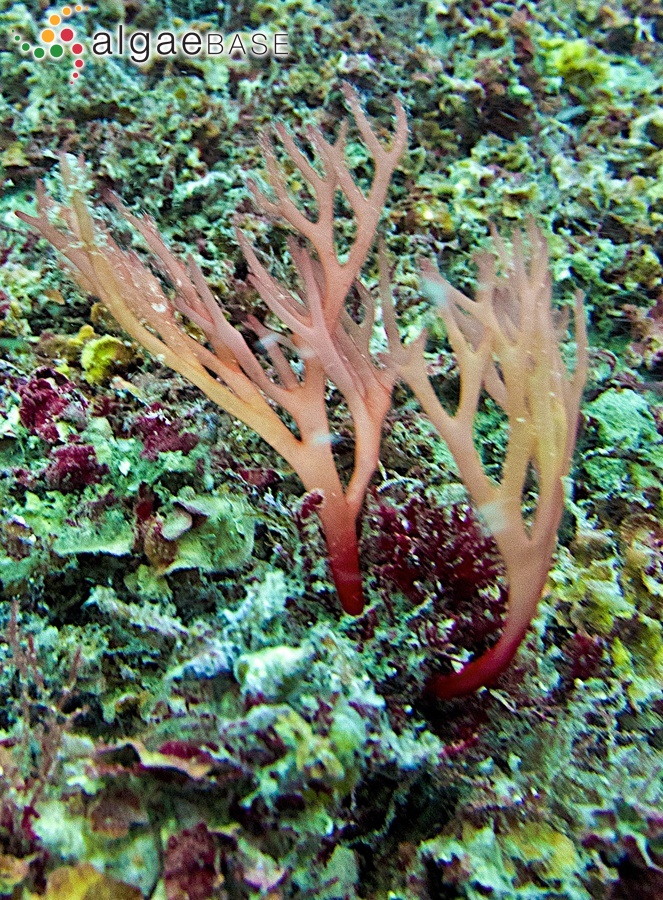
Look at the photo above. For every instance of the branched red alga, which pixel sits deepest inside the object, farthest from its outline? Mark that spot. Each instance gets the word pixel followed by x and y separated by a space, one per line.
pixel 323 344
pixel 506 344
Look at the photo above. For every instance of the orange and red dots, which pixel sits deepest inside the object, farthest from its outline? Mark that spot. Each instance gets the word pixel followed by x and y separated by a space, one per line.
pixel 58 39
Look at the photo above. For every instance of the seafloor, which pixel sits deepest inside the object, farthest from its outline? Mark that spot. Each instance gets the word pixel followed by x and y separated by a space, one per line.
pixel 185 711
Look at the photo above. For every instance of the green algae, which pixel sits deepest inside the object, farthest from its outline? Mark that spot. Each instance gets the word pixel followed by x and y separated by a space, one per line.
pixel 515 109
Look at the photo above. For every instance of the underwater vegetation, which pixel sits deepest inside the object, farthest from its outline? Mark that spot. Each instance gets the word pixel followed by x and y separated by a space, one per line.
pixel 215 684
pixel 504 342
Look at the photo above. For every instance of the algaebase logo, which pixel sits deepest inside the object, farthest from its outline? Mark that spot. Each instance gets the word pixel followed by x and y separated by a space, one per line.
pixel 56 38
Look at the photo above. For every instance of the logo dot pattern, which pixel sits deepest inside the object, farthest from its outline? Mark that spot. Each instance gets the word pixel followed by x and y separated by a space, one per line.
pixel 56 38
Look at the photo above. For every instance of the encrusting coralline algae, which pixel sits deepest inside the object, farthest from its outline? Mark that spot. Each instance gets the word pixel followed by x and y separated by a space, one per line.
pixel 187 712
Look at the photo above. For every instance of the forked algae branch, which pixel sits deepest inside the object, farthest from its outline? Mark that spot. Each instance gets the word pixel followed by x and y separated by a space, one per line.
pixel 506 345
pixel 328 345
